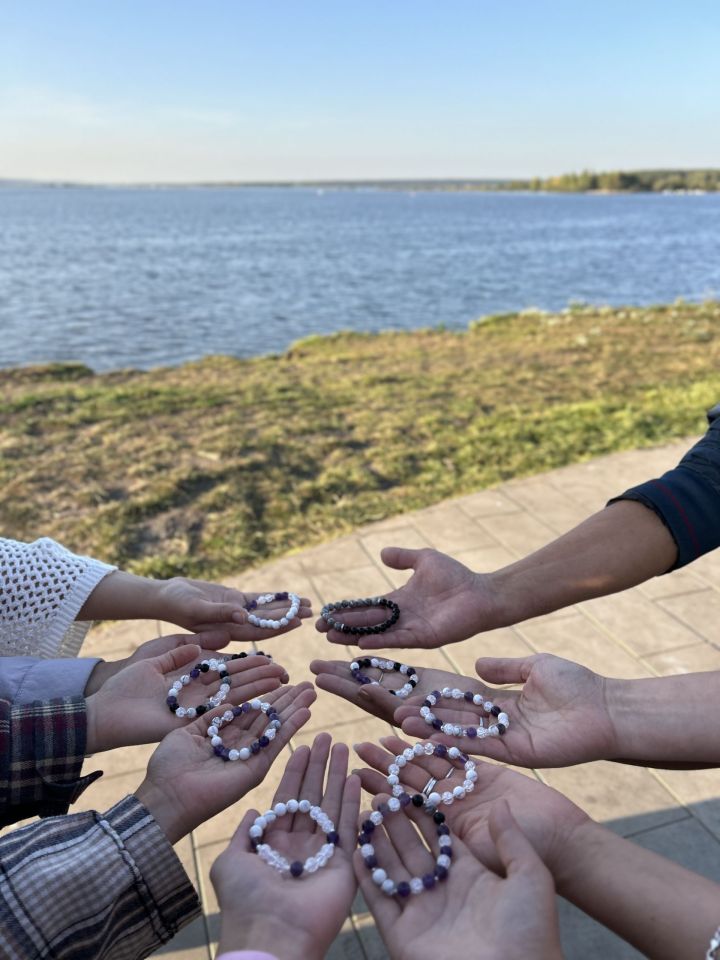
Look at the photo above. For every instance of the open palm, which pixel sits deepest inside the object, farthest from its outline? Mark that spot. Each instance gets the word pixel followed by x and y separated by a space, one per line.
pixel 442 602
pixel 308 912
pixel 560 717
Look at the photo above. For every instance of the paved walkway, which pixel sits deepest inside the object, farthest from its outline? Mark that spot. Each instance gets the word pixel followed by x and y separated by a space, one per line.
pixel 670 625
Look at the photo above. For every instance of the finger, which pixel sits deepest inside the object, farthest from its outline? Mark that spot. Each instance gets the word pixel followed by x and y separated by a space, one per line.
pixel 175 659
pixel 414 773
pixel 372 781
pixel 386 910
pixel 290 784
pixel 395 638
pixel 385 852
pixel 304 610
pixel 214 611
pixel 240 840
pixel 515 850
pixel 314 779
pixel 350 690
pixel 505 669
pixel 399 558
pixel 336 778
pixel 346 824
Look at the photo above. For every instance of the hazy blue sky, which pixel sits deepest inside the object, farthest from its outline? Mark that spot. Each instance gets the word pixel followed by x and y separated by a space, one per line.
pixel 126 90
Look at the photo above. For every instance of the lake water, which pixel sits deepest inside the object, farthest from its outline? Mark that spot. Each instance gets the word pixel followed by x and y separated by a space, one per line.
pixel 136 277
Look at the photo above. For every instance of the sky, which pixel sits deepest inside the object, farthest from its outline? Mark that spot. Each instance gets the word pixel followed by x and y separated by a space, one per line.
pixel 254 90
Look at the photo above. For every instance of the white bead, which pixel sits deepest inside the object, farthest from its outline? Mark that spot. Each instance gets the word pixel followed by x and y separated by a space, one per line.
pixel 280 809
pixel 367 850
pixel 393 779
pixel 185 679
pixel 504 719
pixel 354 665
pixel 374 662
pixel 284 621
pixel 394 768
pixel 446 692
pixel 487 706
pixel 445 840
pixel 234 755
pixel 477 700
pixel 255 831
pixel 376 817
pixel 453 753
pixel 493 731
pixel 315 813
pixel 171 692
pixel 400 760
pixel 403 668
pixel 469 786
pixel 180 712
pixel 270 816
pixel 429 719
pixel 429 749
pixel 245 753
pixel 434 799
pixel 424 711
pixel 393 804
pixel 227 716
pixel 457 694
pixel 458 792
pixel 431 700
pixel 443 861
pixel 471 774
pixel 191 712
pixel 379 876
pixel 447 728
pixel 408 753
pixel 216 741
pixel 255 704
pixel 388 886
pixel 261 822
pixel 292 806
pixel 304 806
pixel 397 790
pixel 270 733
pixel 416 885
pixel 458 730
pixel 447 797
pixel 418 750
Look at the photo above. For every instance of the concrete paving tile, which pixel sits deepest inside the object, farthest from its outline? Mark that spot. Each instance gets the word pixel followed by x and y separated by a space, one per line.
pixel 639 623
pixel 616 794
pixel 686 842
pixel 699 790
pixel 125 760
pixel 485 559
pixel 520 533
pixel 448 528
pixel 505 642
pixel 699 611
pixel 694 659
pixel 189 944
pixel 107 791
pixel 708 568
pixel 671 584
pixel 582 937
pixel 536 496
pixel 346 553
pixel 487 503
pixel 576 638
pixel 361 581
pixel 403 535
pixel 363 726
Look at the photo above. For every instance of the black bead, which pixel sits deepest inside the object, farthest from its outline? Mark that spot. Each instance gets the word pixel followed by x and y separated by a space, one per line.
pixel 368 826
pixel 264 741
pixel 403 889
pixel 501 728
pixel 396 665
pixel 201 710
pixel 441 872
pixel 333 837
pixel 439 817
pixel 364 838
pixel 443 830
pixel 204 667
pixel 496 711
pixel 371 862
pixel 418 800
pixel 413 683
pixel 468 695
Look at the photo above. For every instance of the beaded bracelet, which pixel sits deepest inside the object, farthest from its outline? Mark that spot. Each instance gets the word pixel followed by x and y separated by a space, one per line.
pixel 213 731
pixel 266 598
pixel 713 950
pixel 417 884
pixel 214 701
pixel 344 605
pixel 385 666
pixel 434 799
pixel 277 860
pixel 454 729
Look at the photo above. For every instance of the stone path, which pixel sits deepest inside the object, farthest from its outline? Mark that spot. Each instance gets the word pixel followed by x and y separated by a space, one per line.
pixel 670 625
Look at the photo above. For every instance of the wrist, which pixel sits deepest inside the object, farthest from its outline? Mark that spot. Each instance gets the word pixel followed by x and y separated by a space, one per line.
pixel 266 934
pixel 514 596
pixel 164 811
pixel 100 674
pixel 572 863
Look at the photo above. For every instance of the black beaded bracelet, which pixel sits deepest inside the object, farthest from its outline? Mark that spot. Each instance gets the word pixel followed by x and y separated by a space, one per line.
pixel 343 605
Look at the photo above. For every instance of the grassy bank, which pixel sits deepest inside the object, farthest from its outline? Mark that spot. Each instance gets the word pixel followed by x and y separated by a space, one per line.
pixel 211 467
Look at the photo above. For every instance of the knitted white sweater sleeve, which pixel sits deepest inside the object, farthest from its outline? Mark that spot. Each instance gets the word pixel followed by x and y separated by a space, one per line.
pixel 42 588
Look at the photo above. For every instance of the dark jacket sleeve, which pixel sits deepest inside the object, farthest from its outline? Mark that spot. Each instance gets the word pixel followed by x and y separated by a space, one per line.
pixel 42 749
pixel 687 499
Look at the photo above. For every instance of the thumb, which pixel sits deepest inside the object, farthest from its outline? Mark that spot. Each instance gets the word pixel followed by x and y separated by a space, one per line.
pixel 505 670
pixel 174 659
pixel 211 611
pixel 399 558
pixel 514 849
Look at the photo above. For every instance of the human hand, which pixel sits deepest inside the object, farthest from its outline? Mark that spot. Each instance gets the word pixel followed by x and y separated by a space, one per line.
pixel 261 909
pixel 211 608
pixel 513 917
pixel 442 602
pixel 208 643
pixel 547 818
pixel 561 716
pixel 186 783
pixel 131 707
pixel 335 677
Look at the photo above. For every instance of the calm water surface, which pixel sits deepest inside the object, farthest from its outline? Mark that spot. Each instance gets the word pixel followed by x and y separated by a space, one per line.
pixel 126 277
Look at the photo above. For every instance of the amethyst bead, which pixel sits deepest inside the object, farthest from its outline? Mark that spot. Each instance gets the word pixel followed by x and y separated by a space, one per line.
pixel 333 837
pixel 404 799
pixel 468 695
pixel 403 889
pixel 296 868
pixel 471 732
pixel 428 881
pixel 440 750
pixel 441 872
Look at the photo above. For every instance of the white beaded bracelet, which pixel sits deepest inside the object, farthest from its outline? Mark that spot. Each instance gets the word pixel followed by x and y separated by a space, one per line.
pixel 434 799
pixel 277 860
pixel 263 600
pixel 416 885
pixel 385 666
pixel 496 729
pixel 244 753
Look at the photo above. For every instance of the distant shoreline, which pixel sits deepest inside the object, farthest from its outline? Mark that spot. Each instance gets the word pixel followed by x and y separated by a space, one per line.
pixel 689 181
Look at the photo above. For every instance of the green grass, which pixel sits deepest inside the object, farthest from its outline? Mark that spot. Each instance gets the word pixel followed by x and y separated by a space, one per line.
pixel 221 464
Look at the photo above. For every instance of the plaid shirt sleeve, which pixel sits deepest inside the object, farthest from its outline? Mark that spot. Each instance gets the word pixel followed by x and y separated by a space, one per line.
pixel 91 886
pixel 42 748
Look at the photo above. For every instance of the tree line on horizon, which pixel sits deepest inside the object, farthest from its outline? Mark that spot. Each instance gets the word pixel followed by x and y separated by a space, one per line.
pixel 631 181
